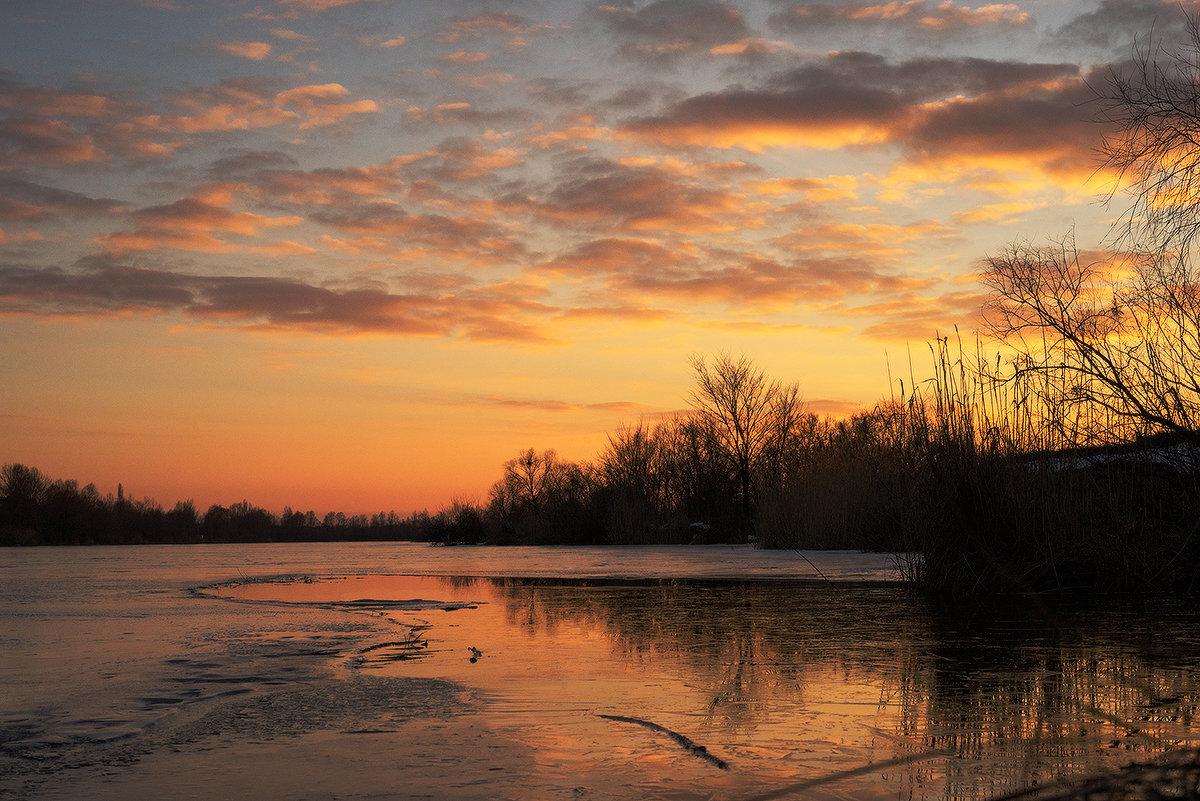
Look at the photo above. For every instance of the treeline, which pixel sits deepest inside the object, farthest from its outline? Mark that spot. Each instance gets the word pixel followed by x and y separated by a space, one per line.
pixel 38 510
pixel 986 476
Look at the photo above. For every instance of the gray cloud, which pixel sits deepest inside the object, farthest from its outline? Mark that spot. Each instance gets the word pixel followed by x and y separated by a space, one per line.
pixel 270 302
pixel 24 200
pixel 668 30
pixel 1115 24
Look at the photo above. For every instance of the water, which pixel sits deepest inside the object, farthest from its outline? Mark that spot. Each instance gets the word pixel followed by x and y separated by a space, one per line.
pixel 405 671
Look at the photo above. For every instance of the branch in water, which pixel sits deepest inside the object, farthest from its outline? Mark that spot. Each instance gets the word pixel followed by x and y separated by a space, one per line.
pixel 687 744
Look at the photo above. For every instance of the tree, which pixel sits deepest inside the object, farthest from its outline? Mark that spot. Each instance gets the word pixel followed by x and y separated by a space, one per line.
pixel 529 476
pixel 1108 359
pixel 750 416
pixel 19 482
pixel 1116 342
pixel 1151 108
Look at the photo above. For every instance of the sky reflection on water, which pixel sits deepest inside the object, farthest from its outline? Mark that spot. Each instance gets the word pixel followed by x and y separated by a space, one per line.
pixel 121 678
pixel 791 682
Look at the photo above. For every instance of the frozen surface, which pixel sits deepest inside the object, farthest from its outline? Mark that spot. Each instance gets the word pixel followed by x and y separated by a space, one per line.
pixel 405 671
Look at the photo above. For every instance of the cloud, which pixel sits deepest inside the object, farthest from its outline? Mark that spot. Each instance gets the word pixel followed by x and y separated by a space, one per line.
pixel 318 104
pixel 494 23
pixel 52 143
pixel 996 213
pixel 253 51
pixel 560 92
pixel 667 30
pixel 830 407
pixel 325 186
pixel 465 57
pixel 247 104
pixel 267 303
pixel 932 109
pixel 289 34
pixel 457 159
pixel 641 269
pixel 595 192
pixel 913 317
pixel 761 283
pixel 877 240
pixel 912 16
pixel 830 103
pixel 43 102
pixel 1114 24
pixel 244 164
pixel 554 406
pixel 193 224
pixel 464 235
pixel 752 48
pixel 461 113
pixel 297 8
pixel 1041 128
pixel 27 201
pixel 485 81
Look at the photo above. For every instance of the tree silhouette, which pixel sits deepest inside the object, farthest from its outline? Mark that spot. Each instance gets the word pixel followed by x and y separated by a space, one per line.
pixel 749 416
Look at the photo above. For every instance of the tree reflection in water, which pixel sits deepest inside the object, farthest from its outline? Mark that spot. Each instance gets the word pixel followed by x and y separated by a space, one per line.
pixel 1018 691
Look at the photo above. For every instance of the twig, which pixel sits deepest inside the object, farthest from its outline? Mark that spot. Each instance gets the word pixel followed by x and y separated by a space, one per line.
pixel 814 567
pixel 688 745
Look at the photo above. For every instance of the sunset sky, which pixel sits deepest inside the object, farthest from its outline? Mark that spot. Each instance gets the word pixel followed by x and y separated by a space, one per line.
pixel 354 254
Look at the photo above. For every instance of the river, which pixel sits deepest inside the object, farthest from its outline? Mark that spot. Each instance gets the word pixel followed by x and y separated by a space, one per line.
pixel 397 671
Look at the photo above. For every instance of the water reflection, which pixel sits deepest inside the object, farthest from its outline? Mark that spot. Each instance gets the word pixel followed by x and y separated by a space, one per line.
pixel 794 682
pixel 1019 692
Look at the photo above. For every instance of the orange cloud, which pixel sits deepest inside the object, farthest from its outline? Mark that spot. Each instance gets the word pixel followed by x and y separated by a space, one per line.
pixel 253 51
pixel 246 105
pixel 295 8
pixel 934 110
pixel 48 142
pixel 992 213
pixel 465 57
pixel 876 239
pixel 818 190
pixel 912 317
pixel 514 26
pixel 485 81
pixel 190 224
pixel 915 15
pixel 42 102
pixel 318 104
pixel 553 406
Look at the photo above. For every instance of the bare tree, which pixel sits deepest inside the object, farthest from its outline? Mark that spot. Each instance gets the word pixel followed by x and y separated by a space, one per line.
pixel 19 482
pixel 1113 346
pixel 529 476
pixel 1109 359
pixel 750 416
pixel 1151 109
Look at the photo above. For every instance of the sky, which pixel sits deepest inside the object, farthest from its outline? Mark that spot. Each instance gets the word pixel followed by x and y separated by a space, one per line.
pixel 354 254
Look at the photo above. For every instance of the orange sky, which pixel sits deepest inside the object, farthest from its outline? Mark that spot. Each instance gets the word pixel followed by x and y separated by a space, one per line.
pixel 353 254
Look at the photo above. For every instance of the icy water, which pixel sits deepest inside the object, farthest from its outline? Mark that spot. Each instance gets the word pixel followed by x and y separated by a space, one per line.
pixel 397 671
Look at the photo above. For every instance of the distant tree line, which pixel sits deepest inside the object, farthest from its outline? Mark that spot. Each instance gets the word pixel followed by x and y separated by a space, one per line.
pixel 38 510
